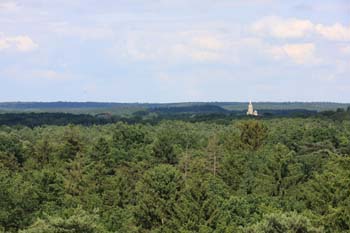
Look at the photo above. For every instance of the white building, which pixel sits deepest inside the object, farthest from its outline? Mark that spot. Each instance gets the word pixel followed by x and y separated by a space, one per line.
pixel 251 111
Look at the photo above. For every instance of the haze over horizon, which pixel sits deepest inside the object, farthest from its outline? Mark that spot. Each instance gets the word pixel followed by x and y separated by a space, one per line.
pixel 175 51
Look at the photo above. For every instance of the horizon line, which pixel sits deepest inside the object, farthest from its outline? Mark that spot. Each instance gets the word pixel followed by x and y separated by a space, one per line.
pixel 173 102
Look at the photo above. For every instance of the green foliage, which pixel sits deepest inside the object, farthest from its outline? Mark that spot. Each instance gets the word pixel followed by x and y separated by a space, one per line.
pixel 18 201
pixel 71 144
pixel 158 193
pixel 11 150
pixel 199 205
pixel 50 188
pixel 240 211
pixel 253 134
pixel 129 142
pixel 261 175
pixel 164 150
pixel 79 221
pixel 284 223
pixel 101 151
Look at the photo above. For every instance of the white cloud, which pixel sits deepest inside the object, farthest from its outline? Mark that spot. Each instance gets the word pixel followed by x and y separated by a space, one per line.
pixel 18 43
pixel 197 46
pixel 226 45
pixel 23 43
pixel 208 42
pixel 299 53
pixel 282 28
pixel 201 47
pixel 298 28
pixel 336 32
pixel 210 46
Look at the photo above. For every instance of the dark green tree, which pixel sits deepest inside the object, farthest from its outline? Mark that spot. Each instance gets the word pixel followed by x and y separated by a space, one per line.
pixel 164 150
pixel 253 134
pixel 158 193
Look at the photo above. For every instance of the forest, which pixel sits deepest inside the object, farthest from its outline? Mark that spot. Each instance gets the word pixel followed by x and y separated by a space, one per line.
pixel 249 175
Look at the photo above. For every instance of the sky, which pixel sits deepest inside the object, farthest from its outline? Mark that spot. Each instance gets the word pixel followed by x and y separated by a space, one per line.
pixel 174 50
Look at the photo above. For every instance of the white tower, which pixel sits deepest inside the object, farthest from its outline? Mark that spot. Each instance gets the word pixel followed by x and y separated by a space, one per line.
pixel 251 111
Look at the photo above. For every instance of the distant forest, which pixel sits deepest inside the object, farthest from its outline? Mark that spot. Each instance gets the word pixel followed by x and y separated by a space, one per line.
pixel 129 108
pixel 195 113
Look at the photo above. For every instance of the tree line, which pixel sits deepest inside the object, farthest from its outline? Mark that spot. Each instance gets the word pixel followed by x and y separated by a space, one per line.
pixel 203 113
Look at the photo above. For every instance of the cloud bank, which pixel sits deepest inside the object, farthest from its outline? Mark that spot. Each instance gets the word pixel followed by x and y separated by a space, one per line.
pixel 143 50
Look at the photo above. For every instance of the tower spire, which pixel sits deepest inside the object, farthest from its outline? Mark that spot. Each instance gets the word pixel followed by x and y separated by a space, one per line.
pixel 251 111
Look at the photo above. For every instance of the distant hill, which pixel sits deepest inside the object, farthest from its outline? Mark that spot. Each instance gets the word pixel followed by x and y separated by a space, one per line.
pixel 186 107
pixel 72 107
pixel 154 115
pixel 50 105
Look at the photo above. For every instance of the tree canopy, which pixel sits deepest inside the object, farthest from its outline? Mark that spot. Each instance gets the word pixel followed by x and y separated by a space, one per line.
pixel 251 175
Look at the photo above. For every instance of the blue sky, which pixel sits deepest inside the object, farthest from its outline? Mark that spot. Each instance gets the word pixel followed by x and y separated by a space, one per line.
pixel 174 50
